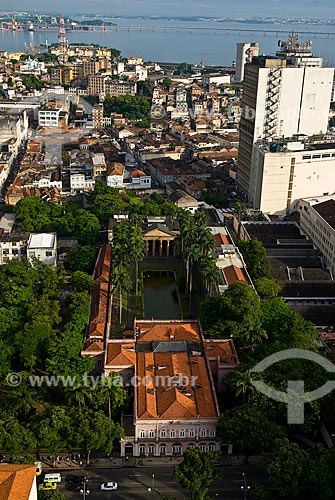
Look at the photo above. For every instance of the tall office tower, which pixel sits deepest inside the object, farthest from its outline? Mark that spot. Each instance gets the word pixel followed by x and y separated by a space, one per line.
pixel 283 95
pixel 244 53
pixel 62 41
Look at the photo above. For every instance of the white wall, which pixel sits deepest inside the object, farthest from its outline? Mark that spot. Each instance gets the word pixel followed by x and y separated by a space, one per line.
pixel 314 177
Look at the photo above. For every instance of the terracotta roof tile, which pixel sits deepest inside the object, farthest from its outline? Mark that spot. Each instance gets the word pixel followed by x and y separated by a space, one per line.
pixel 222 239
pixel 16 481
pixel 98 315
pixel 120 354
pixel 234 273
pixel 164 331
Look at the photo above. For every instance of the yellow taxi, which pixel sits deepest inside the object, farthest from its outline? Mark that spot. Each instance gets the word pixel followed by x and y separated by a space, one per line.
pixel 47 486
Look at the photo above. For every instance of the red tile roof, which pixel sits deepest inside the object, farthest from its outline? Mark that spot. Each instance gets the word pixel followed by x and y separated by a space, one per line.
pixel 16 481
pixel 234 273
pixel 222 239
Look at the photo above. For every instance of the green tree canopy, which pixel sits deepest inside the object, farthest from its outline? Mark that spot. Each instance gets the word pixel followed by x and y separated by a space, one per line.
pixel 197 472
pixel 248 429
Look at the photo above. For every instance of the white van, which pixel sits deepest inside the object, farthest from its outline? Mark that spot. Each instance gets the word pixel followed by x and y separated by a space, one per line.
pixel 53 477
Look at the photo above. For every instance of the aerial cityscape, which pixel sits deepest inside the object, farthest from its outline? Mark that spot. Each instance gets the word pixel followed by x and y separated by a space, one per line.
pixel 167 252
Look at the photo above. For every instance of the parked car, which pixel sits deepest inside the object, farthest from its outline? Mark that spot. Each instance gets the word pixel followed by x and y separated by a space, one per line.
pixel 76 479
pixel 76 487
pixel 47 486
pixel 108 486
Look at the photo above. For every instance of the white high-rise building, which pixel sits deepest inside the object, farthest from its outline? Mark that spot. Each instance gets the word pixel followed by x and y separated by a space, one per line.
pixel 283 95
pixel 244 53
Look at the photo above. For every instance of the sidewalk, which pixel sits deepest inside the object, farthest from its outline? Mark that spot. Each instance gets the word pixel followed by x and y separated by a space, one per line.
pixel 65 463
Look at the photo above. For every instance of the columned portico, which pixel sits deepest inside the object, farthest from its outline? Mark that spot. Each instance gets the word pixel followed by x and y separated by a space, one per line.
pixel 159 244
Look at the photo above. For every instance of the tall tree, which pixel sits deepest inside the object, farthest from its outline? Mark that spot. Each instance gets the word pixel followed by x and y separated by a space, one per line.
pixel 248 429
pixel 137 250
pixel 197 472
pixel 193 255
pixel 121 282
pixel 285 467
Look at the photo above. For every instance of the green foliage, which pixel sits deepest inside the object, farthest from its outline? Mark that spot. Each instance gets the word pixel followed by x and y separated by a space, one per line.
pixel 31 82
pixel 86 227
pixel 197 472
pixel 236 314
pixel 50 495
pixel 144 88
pixel 37 215
pixel 81 259
pixel 81 282
pixel 47 57
pixel 285 467
pixel 267 288
pixel 133 108
pixel 115 53
pixel 167 82
pixel 107 201
pixel 248 429
pixel 318 473
pixel 255 256
pixel 260 492
pixel 91 99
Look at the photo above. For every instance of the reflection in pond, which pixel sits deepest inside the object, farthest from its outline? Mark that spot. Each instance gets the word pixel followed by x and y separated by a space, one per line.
pixel 160 295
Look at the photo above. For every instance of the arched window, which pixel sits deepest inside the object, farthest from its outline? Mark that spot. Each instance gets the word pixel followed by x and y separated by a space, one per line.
pixel 163 433
pixel 162 450
pixel 203 433
pixel 211 447
pixel 151 434
pixel 142 433
pixel 151 450
pixel 203 447
pixel 176 449
pixel 141 450
pixel 182 433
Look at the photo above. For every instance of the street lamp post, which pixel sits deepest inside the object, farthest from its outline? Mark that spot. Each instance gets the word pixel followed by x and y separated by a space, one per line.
pixel 153 482
pixel 84 491
pixel 245 487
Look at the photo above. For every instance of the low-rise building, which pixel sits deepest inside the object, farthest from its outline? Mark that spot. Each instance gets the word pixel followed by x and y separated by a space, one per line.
pixel 169 368
pixel 43 246
pixel 139 180
pixel 114 174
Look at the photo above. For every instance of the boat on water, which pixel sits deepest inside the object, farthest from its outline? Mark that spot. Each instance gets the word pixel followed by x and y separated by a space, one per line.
pixel 31 27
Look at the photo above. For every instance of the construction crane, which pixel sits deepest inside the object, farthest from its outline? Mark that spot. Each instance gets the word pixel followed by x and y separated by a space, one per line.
pixel 39 18
pixel 13 20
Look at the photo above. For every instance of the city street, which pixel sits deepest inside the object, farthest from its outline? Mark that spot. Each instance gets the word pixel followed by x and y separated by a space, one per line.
pixel 134 483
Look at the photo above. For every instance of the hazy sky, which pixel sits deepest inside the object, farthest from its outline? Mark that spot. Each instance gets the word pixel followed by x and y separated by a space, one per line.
pixel 321 9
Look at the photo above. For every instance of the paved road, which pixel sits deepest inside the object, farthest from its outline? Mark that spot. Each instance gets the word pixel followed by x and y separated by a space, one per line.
pixel 135 482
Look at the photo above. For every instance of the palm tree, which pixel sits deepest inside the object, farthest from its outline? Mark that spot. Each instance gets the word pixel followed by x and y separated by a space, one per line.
pixel 243 384
pixel 137 250
pixel 194 253
pixel 210 272
pixel 121 282
pixel 136 219
pixel 201 219
pixel 78 394
pixel 254 336
pixel 205 239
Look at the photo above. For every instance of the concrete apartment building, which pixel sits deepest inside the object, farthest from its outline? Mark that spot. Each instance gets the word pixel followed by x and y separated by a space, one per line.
pixel 43 246
pixel 283 171
pixel 317 220
pixel 244 53
pixel 283 95
pixel 120 87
